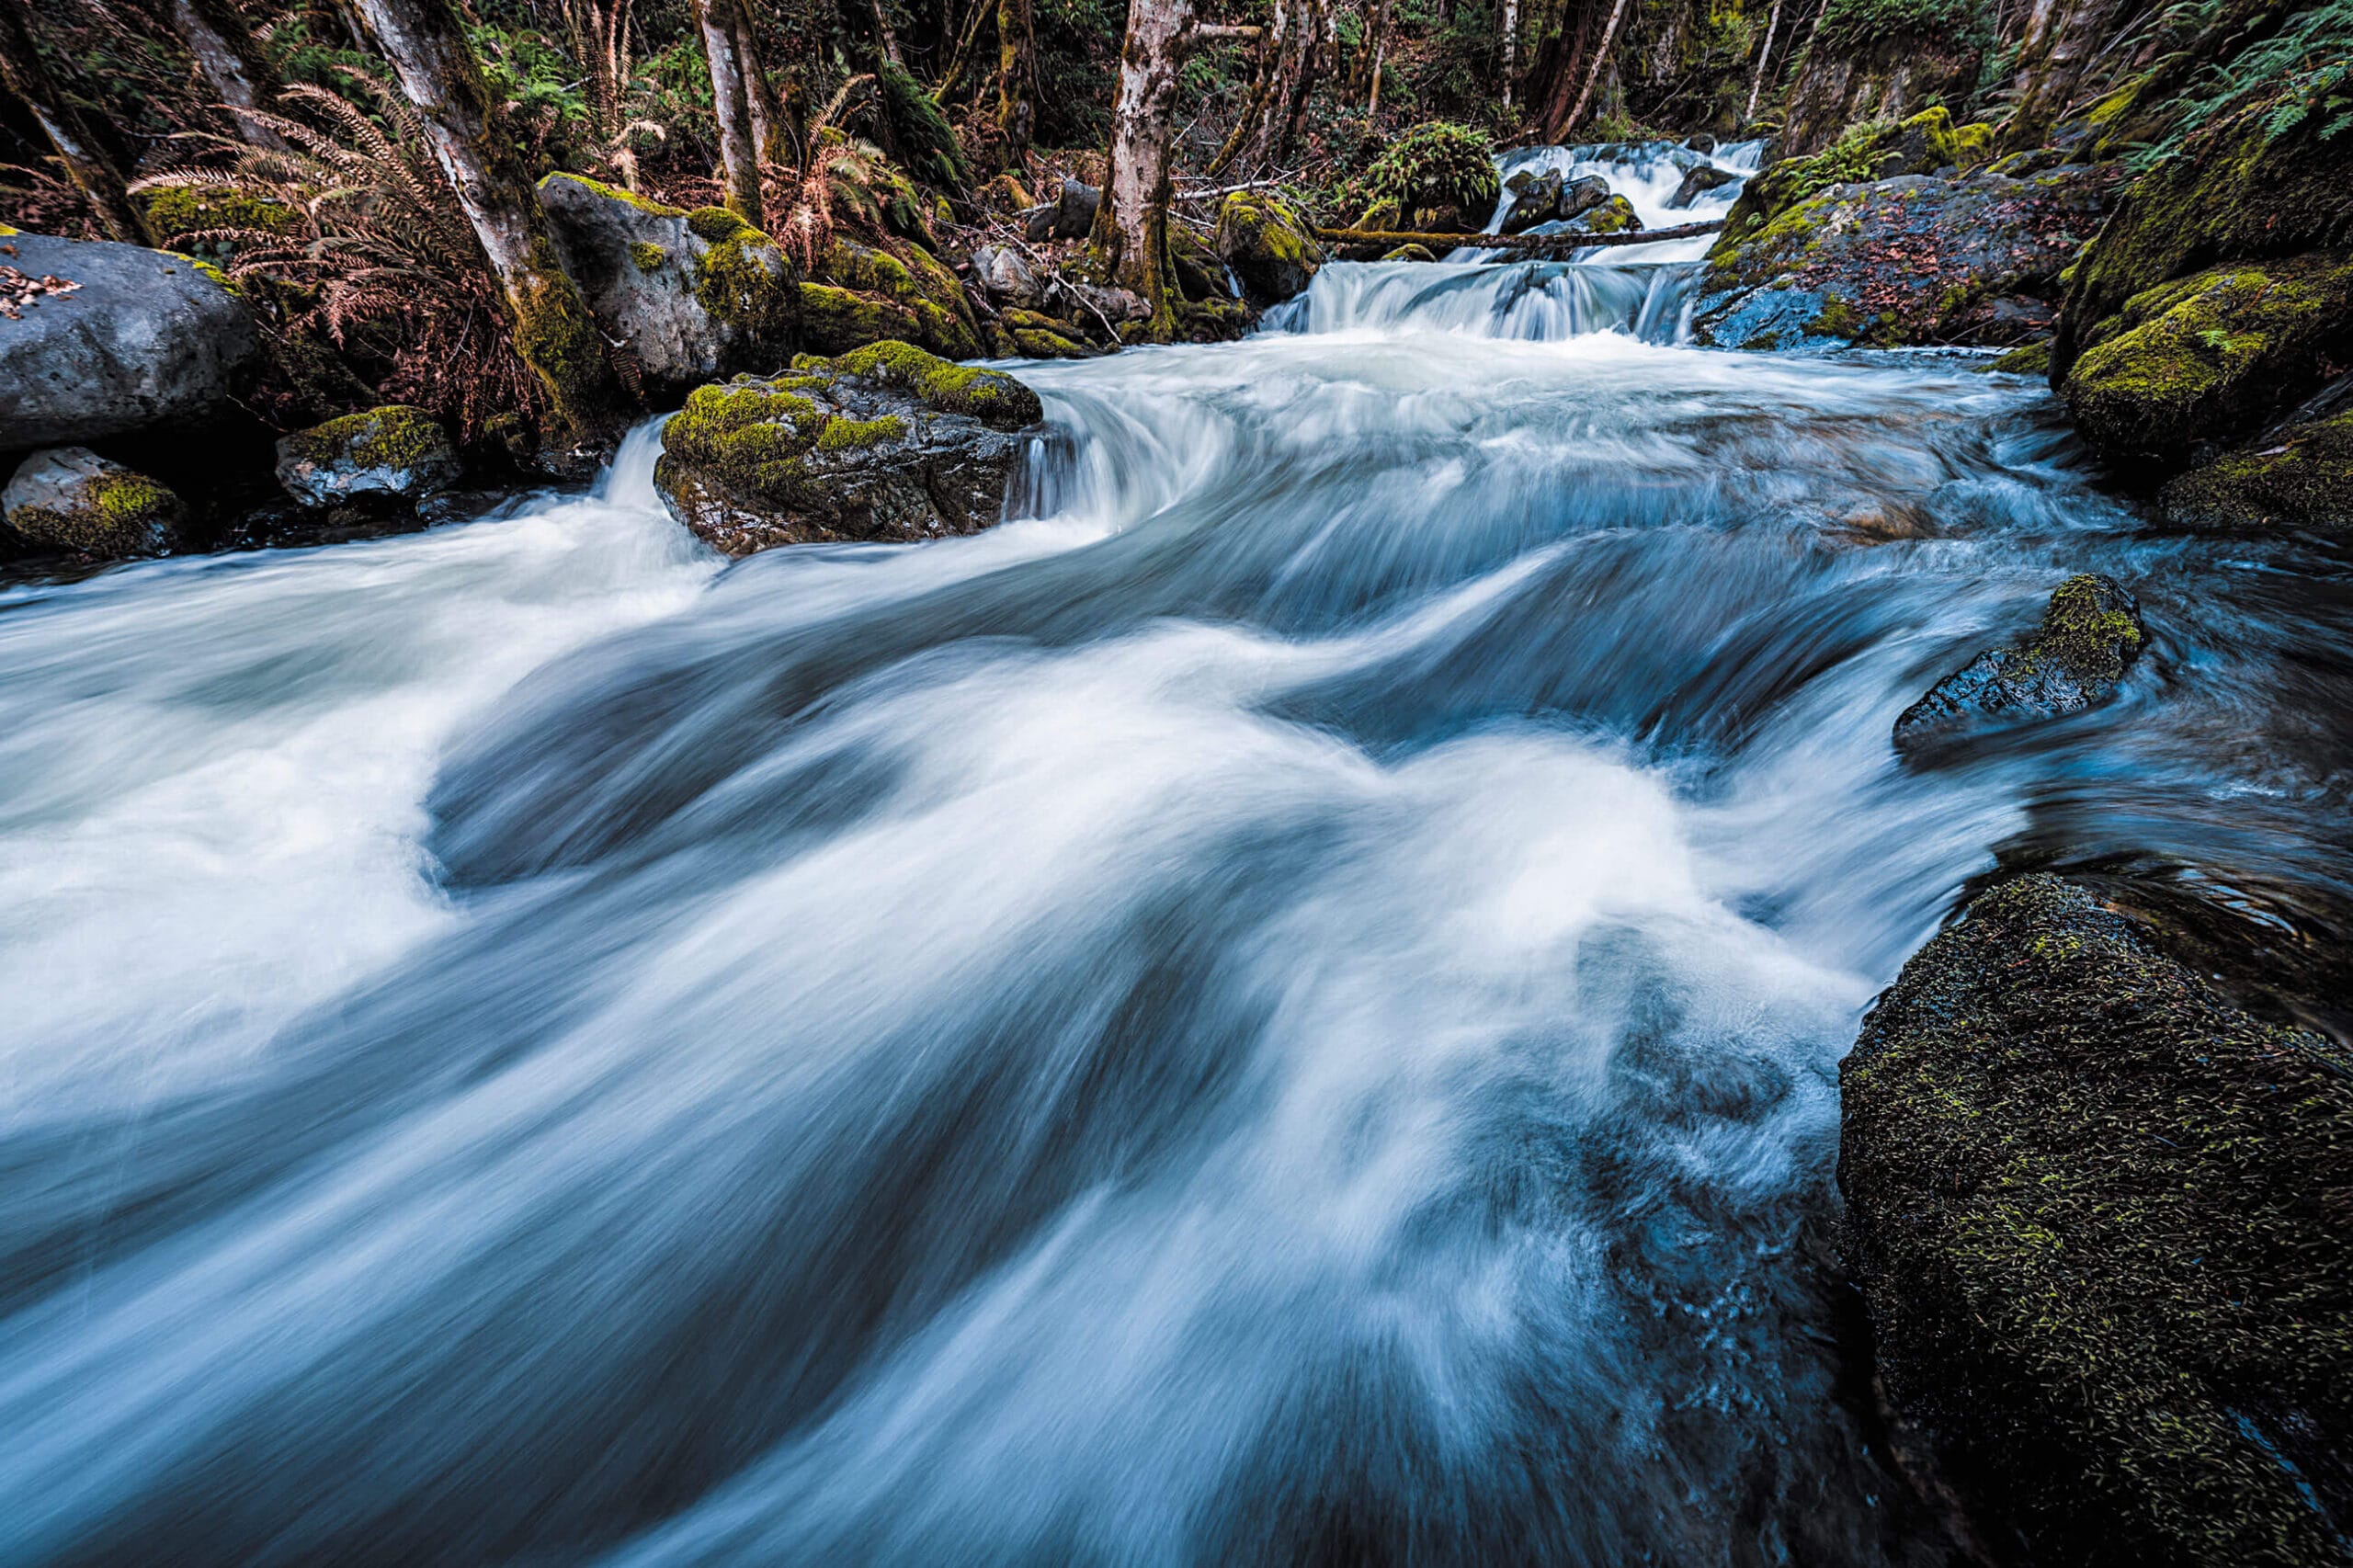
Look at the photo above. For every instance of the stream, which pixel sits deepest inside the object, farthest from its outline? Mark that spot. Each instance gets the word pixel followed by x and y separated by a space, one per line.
pixel 1282 1005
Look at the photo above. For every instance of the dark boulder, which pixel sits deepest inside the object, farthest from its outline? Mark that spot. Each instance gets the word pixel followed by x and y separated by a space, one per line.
pixel 1269 246
pixel 1535 199
pixel 888 443
pixel 1910 260
pixel 690 296
pixel 70 499
pixel 149 339
pixel 2090 634
pixel 1697 183
pixel 1701 142
pixel 1068 217
pixel 392 456
pixel 2098 1214
pixel 2299 477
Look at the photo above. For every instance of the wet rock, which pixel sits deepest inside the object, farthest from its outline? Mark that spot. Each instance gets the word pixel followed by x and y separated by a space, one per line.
pixel 2186 369
pixel 1535 199
pixel 887 443
pixel 1916 259
pixel 70 499
pixel 149 339
pixel 2090 634
pixel 2097 1211
pixel 1269 246
pixel 1924 145
pixel 1614 216
pixel 861 293
pixel 690 295
pixel 1697 183
pixel 2301 477
pixel 1582 195
pixel 1701 142
pixel 384 457
pixel 1071 215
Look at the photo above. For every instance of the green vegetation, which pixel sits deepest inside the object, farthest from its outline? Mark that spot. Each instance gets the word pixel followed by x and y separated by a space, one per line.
pixel 2303 479
pixel 1850 27
pixel 990 396
pixel 1437 168
pixel 394 436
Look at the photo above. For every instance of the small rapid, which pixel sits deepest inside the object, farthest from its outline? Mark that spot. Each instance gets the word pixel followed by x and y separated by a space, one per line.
pixel 1282 1005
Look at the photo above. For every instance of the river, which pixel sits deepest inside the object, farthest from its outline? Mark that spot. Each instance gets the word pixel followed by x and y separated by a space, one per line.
pixel 1281 1005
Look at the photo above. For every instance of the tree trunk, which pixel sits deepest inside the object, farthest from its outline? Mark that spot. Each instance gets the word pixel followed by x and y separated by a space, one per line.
pixel 1017 78
pixel 1295 45
pixel 1593 74
pixel 961 60
pixel 1764 59
pixel 885 40
pixel 1130 241
pixel 1556 73
pixel 424 42
pixel 2063 38
pixel 775 134
pixel 730 103
pixel 79 152
pixel 222 48
pixel 1511 50
pixel 1376 49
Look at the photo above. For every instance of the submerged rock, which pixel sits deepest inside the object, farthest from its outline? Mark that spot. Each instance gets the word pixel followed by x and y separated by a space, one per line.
pixel 2097 1214
pixel 70 498
pixel 887 443
pixel 1697 183
pixel 1909 260
pixel 149 338
pixel 390 455
pixel 1269 246
pixel 690 295
pixel 2090 634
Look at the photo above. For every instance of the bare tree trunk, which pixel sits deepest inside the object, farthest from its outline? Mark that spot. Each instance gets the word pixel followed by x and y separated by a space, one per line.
pixel 1295 45
pixel 885 40
pixel 1376 49
pixel 1511 50
pixel 731 102
pixel 1130 241
pixel 961 60
pixel 222 48
pixel 1593 75
pixel 424 42
pixel 1017 77
pixel 776 136
pixel 1764 59
pixel 77 150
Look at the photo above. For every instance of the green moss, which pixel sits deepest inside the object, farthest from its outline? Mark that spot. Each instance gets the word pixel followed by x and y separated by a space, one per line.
pixel 206 267
pixel 753 436
pixel 715 224
pixel 746 282
pixel 615 193
pixel 990 396
pixel 834 321
pixel 1410 253
pixel 131 500
pixel 6 231
pixel 2304 479
pixel 1836 319
pixel 1615 216
pixel 842 435
pixel 395 436
pixel 2029 359
pixel 112 514
pixel 928 302
pixel 647 255
pixel 177 211
pixel 2205 357
pixel 2087 639
pixel 555 337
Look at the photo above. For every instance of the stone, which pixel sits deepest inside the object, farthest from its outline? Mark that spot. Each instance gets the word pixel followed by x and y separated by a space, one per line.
pixel 387 456
pixel 2090 634
pixel 69 498
pixel 150 341
pixel 690 295
pixel 885 444
pixel 1070 216
pixel 1269 246
pixel 2095 1208
pixel 1697 183
pixel 861 293
pixel 1701 142
pixel 1916 259
pixel 1536 199
pixel 1005 276
pixel 2299 477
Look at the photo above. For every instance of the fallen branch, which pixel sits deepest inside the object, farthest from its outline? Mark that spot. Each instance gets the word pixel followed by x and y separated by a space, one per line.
pixel 1539 242
pixel 1224 190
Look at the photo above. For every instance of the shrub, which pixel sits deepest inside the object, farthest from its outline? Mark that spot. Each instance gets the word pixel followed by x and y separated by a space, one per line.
pixel 1436 166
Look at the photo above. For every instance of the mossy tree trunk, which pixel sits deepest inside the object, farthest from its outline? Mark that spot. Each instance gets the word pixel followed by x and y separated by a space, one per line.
pixel 775 131
pixel 730 103
pixel 221 45
pixel 424 42
pixel 2061 40
pixel 1017 79
pixel 78 151
pixel 1130 240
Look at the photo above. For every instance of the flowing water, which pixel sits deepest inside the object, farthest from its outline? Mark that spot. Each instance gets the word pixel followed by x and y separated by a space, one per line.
pixel 1282 1005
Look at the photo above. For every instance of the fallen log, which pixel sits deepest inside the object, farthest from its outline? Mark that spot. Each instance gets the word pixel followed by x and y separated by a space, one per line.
pixel 1395 237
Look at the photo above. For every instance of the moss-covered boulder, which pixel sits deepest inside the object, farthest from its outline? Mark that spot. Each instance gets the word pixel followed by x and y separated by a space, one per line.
pixel 2189 366
pixel 2090 634
pixel 1883 62
pixel 861 293
pixel 70 499
pixel 689 295
pixel 1863 152
pixel 887 443
pixel 1916 259
pixel 2098 1214
pixel 2298 478
pixel 384 457
pixel 147 342
pixel 1269 246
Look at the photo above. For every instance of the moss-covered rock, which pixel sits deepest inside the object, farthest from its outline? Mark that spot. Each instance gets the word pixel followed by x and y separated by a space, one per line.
pixel 1269 246
pixel 388 456
pixel 2299 478
pixel 909 294
pixel 690 295
pixel 2186 367
pixel 2090 634
pixel 2099 1216
pixel 887 443
pixel 1863 152
pixel 1409 252
pixel 69 498
pixel 1883 61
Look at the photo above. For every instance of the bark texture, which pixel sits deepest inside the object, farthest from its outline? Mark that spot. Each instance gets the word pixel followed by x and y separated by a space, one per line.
pixel 1130 240
pixel 1017 80
pixel 78 153
pixel 216 36
pixel 731 101
pixel 424 43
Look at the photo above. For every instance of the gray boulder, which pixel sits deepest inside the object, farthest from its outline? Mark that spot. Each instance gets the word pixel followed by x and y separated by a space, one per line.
pixel 1068 217
pixel 1697 183
pixel 1006 278
pixel 71 499
pixel 886 443
pixel 388 455
pixel 1269 245
pixel 690 295
pixel 2090 634
pixel 150 338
